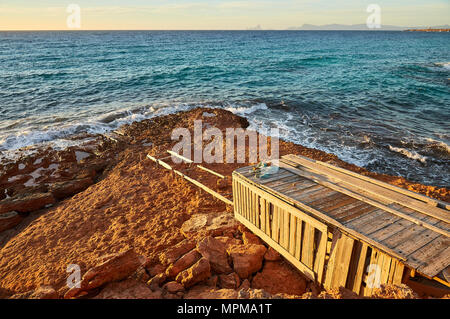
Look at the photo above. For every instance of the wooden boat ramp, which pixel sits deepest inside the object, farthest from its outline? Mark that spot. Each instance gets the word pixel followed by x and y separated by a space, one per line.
pixel 344 229
pixel 340 228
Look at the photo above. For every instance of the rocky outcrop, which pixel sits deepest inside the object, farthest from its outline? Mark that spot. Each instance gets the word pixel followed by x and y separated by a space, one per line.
pixel 215 252
pixel 66 189
pixel 199 272
pixel 9 220
pixel 394 292
pixel 230 281
pixel 279 277
pixel 115 268
pixel 43 292
pixel 247 259
pixel 25 203
pixel 174 253
pixel 128 289
pixel 272 255
pixel 216 224
pixel 183 263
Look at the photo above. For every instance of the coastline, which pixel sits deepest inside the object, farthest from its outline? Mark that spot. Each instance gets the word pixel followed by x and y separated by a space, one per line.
pixel 105 198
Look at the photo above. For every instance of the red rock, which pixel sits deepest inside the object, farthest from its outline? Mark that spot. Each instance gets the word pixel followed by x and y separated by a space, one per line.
pixel 183 263
pixel 199 272
pixel 66 189
pixel 272 255
pixel 173 253
pixel 230 281
pixel 128 289
pixel 25 203
pixel 154 270
pixel 245 285
pixel 9 220
pixel 249 238
pixel 279 277
pixel 247 259
pixel 209 224
pixel 229 241
pixel 43 292
pixel 157 281
pixel 215 252
pixel 115 268
pixel 390 291
pixel 173 287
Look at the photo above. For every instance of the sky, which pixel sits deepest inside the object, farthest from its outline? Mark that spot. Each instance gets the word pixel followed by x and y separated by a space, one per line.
pixel 214 14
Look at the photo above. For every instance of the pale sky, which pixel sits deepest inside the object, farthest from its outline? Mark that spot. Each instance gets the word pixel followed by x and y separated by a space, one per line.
pixel 216 14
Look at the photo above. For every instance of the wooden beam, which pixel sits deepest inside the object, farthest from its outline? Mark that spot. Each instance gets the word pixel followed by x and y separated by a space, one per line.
pixel 286 165
pixel 371 189
pixel 193 181
pixel 324 217
pixel 300 266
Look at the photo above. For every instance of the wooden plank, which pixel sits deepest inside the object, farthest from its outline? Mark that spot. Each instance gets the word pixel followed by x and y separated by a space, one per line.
pixel 211 171
pixel 281 227
pixel 375 190
pixel 360 257
pixel 397 189
pixel 336 187
pixel 299 239
pixel 385 269
pixel 281 177
pixel 398 275
pixel 300 266
pixel 193 181
pixel 356 213
pixel 308 246
pixel 371 222
pixel 268 217
pixel 317 224
pixel 275 224
pixel 332 206
pixel 368 289
pixel 420 258
pixel 416 243
pixel 433 266
pixel 282 204
pixel 332 261
pixel 262 207
pixel 319 262
pixel 343 258
pixel 292 233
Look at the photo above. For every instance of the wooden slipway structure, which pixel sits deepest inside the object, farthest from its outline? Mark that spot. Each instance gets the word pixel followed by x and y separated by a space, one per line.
pixel 340 228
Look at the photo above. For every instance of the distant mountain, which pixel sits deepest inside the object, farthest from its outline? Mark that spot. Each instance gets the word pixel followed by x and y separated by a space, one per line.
pixel 361 27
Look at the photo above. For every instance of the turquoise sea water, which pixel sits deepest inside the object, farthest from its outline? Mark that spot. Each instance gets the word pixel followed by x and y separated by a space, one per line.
pixel 376 99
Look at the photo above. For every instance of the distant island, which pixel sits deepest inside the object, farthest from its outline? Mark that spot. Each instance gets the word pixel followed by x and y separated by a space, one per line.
pixel 359 27
pixel 429 30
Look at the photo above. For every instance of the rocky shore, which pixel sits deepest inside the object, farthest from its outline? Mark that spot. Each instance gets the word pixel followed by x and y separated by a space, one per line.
pixel 138 231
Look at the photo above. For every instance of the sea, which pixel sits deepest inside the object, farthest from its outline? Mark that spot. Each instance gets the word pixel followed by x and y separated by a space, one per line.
pixel 377 99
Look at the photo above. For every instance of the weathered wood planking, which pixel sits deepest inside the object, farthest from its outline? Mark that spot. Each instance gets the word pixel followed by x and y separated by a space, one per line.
pixel 296 235
pixel 391 229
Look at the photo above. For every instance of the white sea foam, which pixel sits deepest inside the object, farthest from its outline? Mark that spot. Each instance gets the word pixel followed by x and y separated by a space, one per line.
pixel 445 65
pixel 410 154
pixel 439 144
pixel 59 136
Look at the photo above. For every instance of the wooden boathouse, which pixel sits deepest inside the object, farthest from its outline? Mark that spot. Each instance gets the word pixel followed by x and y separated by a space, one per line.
pixel 340 228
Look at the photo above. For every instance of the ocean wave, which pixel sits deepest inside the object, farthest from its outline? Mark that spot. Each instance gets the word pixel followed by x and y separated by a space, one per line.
pixel 445 65
pixel 245 110
pixel 438 145
pixel 410 154
pixel 59 135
